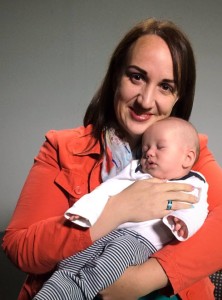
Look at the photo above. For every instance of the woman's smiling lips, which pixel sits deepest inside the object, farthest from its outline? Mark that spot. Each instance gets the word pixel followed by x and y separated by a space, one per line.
pixel 140 117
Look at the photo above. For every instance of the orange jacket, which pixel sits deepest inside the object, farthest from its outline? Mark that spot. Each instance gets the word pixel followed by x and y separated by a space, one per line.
pixel 38 236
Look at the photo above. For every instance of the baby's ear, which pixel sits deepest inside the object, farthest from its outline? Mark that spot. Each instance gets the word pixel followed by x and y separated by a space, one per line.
pixel 189 158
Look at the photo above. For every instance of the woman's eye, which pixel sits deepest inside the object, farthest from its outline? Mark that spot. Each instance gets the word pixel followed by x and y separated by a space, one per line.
pixel 135 77
pixel 167 88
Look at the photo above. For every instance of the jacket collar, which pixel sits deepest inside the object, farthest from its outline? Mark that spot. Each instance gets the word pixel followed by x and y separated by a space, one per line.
pixel 83 143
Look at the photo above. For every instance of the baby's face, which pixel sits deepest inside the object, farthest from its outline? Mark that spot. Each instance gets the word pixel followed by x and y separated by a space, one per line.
pixel 163 153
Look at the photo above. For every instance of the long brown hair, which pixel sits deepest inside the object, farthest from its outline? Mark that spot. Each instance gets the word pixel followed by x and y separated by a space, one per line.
pixel 100 111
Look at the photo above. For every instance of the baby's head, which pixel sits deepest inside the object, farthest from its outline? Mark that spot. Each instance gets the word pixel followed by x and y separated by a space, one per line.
pixel 170 148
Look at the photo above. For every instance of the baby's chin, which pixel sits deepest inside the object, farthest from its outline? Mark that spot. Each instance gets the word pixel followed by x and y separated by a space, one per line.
pixel 154 172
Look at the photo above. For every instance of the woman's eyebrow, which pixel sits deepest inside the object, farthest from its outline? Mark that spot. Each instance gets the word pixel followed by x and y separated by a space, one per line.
pixel 137 68
pixel 169 80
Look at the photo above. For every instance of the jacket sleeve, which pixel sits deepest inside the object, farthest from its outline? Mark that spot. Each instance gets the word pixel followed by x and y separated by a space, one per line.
pixel 38 235
pixel 190 261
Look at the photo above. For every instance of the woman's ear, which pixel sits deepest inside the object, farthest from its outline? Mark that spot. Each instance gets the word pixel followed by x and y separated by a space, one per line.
pixel 189 158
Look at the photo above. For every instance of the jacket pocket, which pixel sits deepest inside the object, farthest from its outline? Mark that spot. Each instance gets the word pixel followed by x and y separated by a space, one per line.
pixel 73 182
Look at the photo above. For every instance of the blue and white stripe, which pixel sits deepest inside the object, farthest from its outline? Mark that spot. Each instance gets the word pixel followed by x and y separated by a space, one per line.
pixel 85 274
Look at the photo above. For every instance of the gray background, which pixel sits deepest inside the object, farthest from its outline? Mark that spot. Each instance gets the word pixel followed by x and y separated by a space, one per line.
pixel 53 55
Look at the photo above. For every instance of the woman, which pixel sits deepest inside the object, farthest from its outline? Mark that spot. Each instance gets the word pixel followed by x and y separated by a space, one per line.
pixel 151 76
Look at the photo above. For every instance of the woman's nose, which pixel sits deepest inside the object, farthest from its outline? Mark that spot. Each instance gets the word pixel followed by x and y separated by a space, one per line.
pixel 146 97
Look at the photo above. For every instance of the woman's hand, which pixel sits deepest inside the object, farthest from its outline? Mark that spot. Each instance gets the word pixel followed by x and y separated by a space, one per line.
pixel 143 200
pixel 137 281
pixel 147 199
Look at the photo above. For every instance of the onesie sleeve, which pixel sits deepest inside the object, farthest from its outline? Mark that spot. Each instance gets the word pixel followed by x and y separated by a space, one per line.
pixel 195 216
pixel 90 206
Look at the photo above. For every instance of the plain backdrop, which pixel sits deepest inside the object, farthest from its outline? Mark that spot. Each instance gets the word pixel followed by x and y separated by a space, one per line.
pixel 53 55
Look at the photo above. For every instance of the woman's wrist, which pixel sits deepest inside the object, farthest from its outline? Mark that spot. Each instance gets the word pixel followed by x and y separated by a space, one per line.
pixel 137 281
pixel 151 277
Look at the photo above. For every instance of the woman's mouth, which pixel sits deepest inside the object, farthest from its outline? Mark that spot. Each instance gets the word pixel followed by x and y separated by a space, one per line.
pixel 140 116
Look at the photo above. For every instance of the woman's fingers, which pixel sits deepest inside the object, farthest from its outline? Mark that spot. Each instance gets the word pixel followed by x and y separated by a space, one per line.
pixel 181 197
pixel 177 186
pixel 176 204
pixel 148 199
pixel 177 192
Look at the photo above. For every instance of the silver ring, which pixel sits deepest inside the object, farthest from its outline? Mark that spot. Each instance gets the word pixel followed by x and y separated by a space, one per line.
pixel 169 204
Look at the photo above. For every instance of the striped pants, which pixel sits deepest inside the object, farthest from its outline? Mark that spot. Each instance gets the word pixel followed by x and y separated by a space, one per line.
pixel 85 274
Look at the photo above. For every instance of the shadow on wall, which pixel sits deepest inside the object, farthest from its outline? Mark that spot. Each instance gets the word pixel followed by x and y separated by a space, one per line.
pixel 11 279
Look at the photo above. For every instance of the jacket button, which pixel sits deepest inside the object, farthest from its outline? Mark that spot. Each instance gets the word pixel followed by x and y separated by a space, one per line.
pixel 78 190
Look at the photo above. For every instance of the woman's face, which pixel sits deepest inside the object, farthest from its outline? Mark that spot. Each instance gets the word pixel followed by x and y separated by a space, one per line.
pixel 147 90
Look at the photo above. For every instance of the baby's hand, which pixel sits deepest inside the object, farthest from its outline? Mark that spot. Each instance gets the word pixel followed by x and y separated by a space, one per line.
pixel 73 217
pixel 180 227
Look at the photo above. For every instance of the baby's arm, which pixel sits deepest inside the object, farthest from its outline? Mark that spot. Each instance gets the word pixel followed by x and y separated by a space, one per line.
pixel 87 209
pixel 193 217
